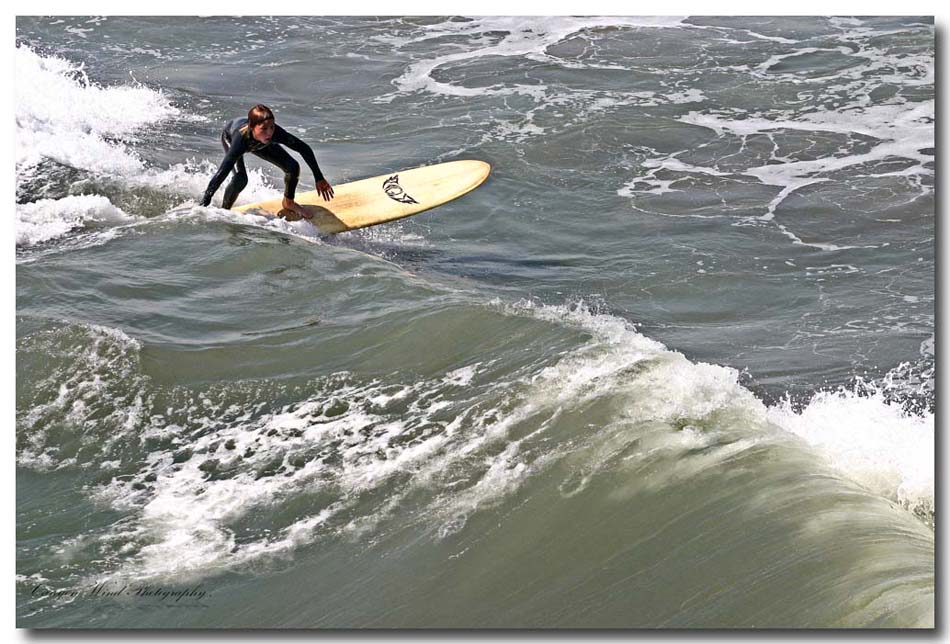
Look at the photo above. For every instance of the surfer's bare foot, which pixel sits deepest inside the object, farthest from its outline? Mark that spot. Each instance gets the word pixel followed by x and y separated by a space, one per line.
pixel 296 208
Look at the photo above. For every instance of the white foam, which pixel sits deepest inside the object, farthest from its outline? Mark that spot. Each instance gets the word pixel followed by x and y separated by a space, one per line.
pixel 661 186
pixel 659 386
pixel 462 447
pixel 766 66
pixel 186 519
pixel 382 236
pixel 903 131
pixel 864 432
pixel 95 394
pixel 189 516
pixel 461 377
pixel 902 128
pixel 529 37
pixel 61 115
pixel 190 179
pixel 301 229
pixel 870 439
pixel 46 219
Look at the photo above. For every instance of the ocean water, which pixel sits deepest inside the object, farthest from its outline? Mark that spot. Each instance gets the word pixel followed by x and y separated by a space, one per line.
pixel 672 365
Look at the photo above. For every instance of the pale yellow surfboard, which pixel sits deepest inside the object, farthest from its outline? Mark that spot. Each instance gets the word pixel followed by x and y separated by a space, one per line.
pixel 388 197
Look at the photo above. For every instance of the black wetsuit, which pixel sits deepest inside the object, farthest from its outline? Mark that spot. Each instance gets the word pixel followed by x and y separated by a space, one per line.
pixel 237 140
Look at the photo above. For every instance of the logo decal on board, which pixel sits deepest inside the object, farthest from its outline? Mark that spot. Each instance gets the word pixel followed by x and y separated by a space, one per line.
pixel 395 192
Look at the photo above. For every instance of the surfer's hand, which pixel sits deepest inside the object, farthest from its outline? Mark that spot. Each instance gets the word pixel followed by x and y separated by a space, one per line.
pixel 325 190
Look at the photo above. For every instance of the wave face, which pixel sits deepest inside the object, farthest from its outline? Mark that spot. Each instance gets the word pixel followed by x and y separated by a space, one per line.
pixel 672 366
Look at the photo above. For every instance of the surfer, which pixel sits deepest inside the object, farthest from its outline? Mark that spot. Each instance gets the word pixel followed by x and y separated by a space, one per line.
pixel 260 135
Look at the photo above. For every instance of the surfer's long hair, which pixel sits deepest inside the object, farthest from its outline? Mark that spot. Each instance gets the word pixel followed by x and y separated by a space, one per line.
pixel 257 115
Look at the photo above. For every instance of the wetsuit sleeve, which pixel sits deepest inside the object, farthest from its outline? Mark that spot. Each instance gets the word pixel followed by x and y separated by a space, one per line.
pixel 283 137
pixel 233 154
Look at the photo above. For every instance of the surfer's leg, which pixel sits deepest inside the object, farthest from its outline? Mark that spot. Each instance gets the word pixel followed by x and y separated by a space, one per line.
pixel 282 159
pixel 238 183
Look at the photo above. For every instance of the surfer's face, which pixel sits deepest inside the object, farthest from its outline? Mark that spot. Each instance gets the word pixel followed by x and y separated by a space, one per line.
pixel 263 131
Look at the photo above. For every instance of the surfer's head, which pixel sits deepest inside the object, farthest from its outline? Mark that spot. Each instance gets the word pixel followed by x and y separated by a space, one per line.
pixel 260 121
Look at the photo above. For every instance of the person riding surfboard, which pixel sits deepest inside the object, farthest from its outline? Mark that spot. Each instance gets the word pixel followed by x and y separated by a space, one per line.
pixel 259 134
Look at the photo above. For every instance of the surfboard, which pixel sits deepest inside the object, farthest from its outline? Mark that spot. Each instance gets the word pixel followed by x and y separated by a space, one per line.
pixel 388 197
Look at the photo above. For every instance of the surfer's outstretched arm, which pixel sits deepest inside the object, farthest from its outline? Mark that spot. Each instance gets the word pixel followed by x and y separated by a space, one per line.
pixel 284 137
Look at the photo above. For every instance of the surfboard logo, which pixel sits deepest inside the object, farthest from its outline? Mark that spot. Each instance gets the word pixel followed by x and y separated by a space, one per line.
pixel 395 192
